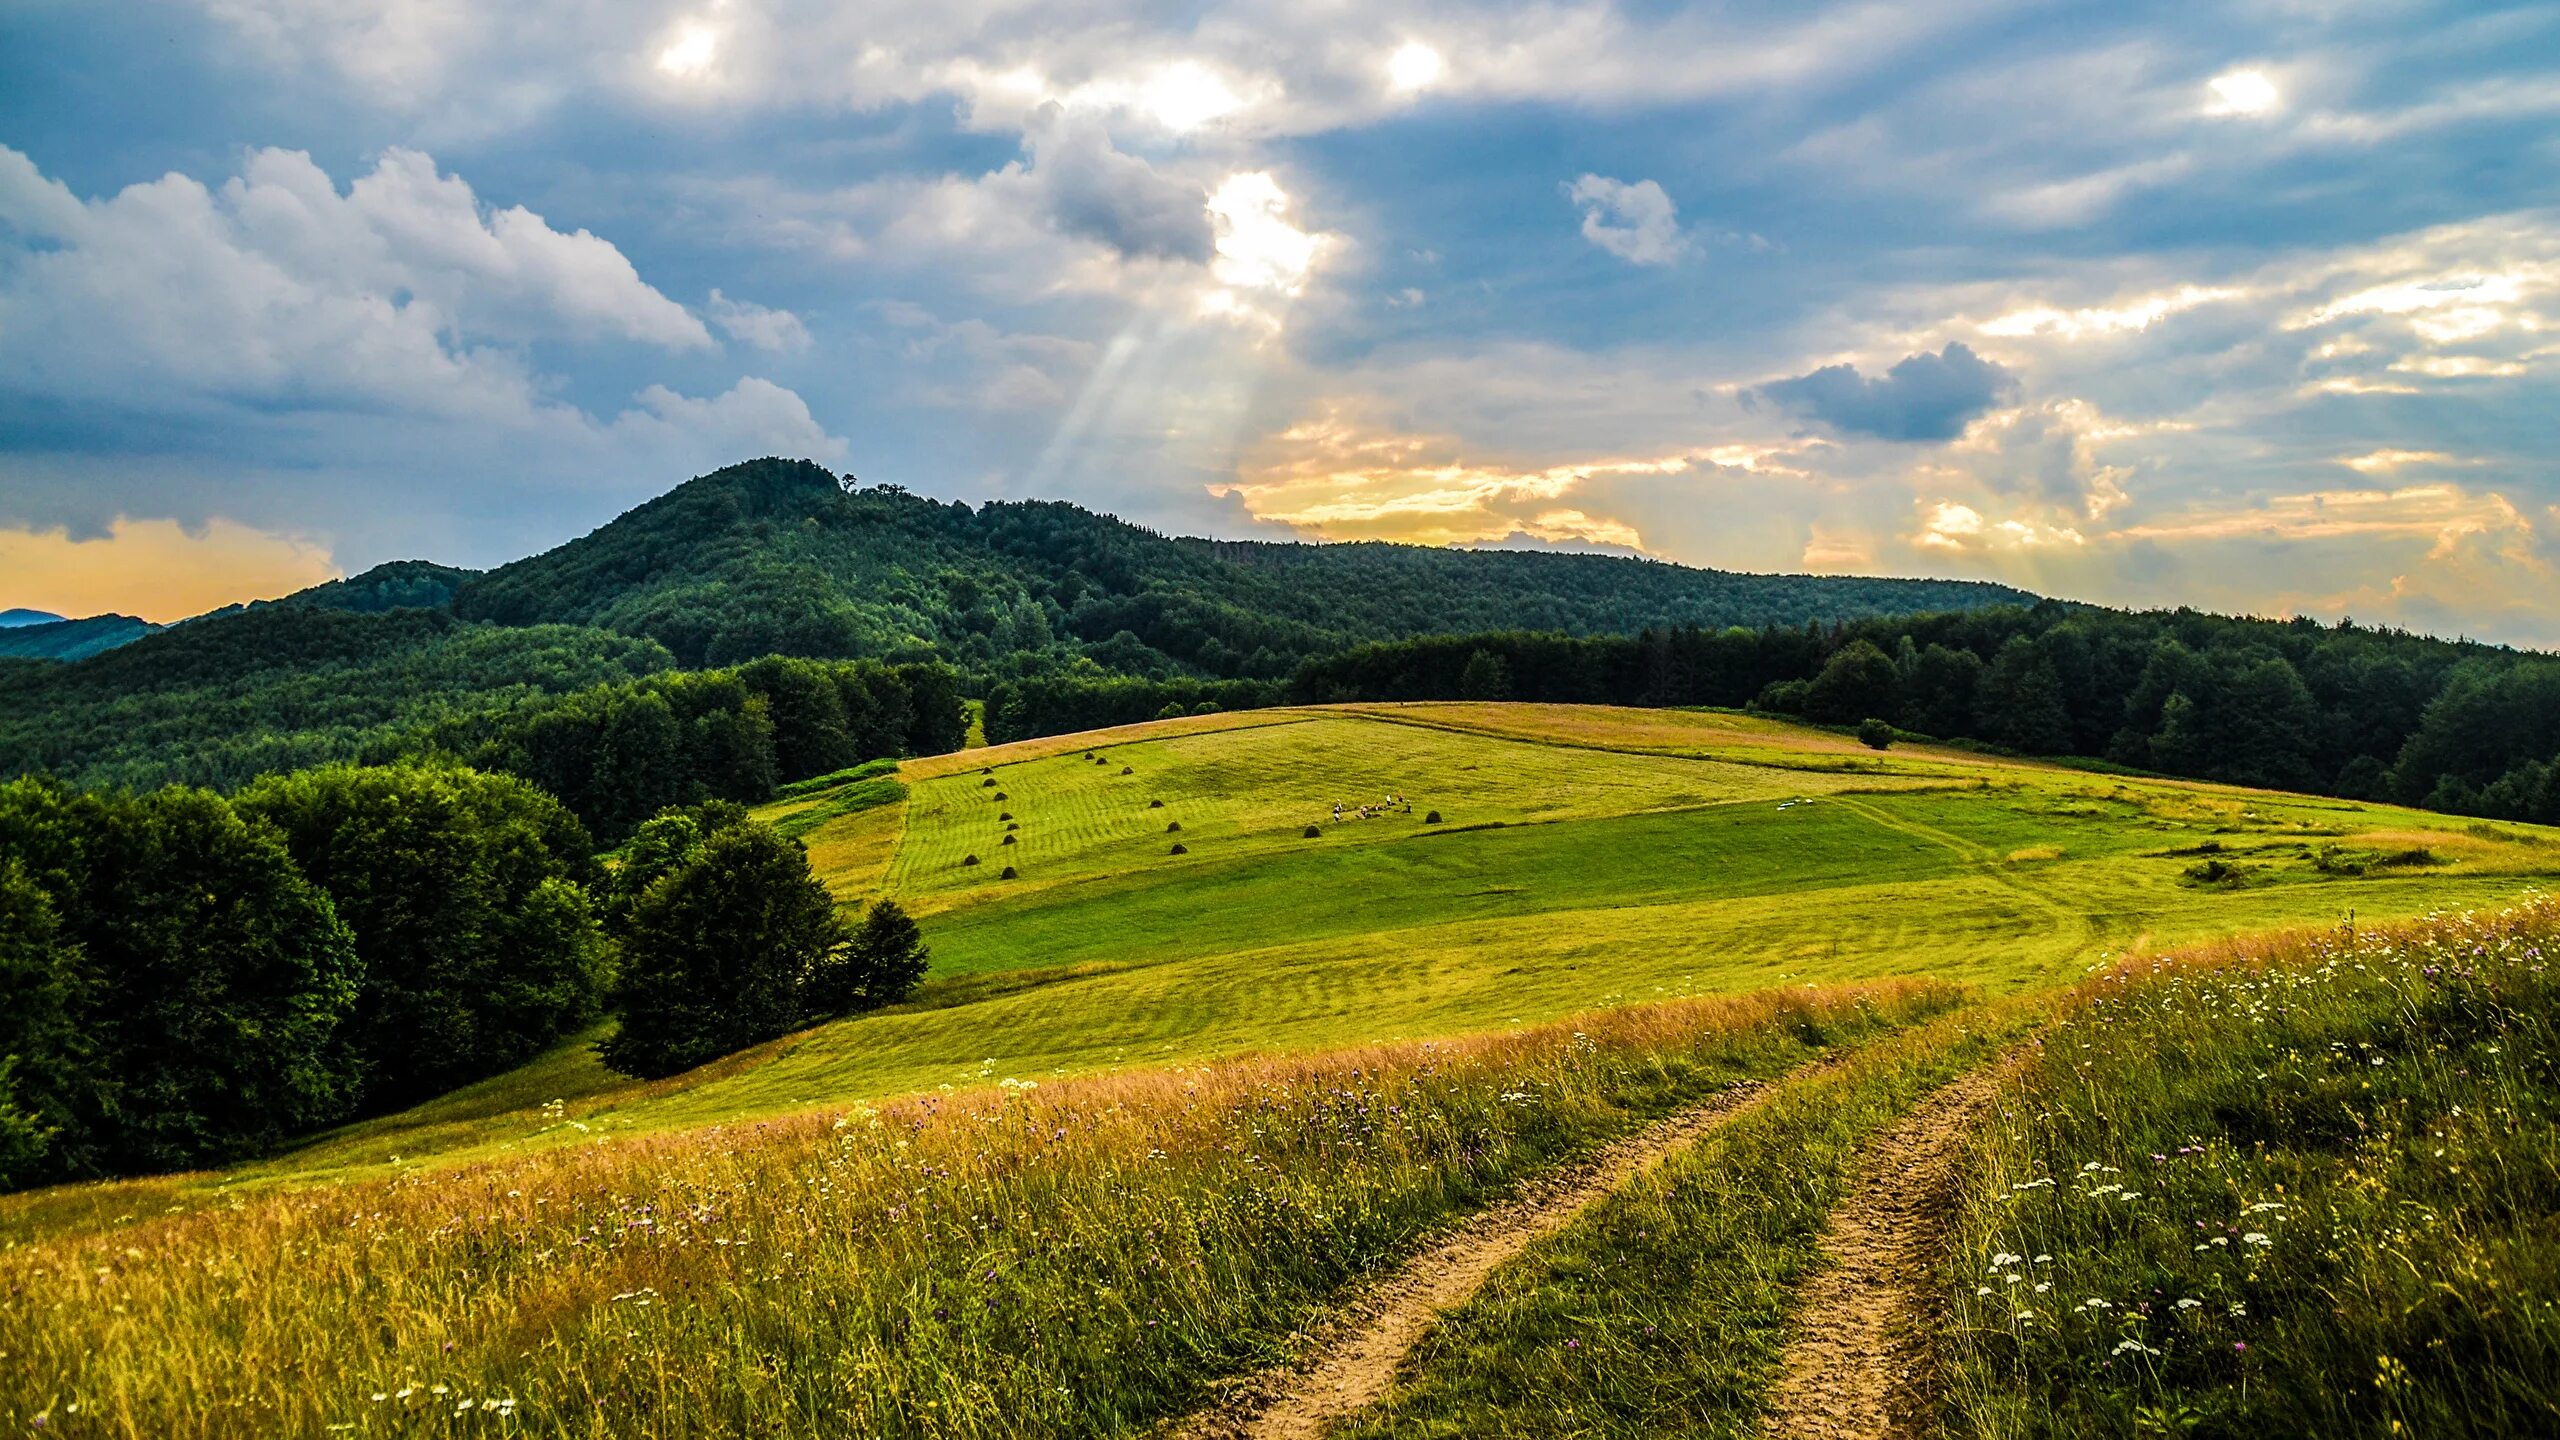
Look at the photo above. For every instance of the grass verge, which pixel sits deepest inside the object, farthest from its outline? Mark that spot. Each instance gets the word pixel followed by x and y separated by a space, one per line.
pixel 1663 1310
pixel 2302 1187
pixel 1073 1259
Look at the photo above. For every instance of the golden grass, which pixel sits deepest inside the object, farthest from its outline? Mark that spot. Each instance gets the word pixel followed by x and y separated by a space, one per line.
pixel 1009 1260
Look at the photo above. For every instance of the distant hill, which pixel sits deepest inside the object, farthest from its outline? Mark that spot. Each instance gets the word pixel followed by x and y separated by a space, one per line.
pixel 778 556
pixel 222 699
pixel 70 639
pixel 11 619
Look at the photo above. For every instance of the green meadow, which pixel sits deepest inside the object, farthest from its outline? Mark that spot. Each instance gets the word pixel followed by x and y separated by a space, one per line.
pixel 1584 857
pixel 1155 1112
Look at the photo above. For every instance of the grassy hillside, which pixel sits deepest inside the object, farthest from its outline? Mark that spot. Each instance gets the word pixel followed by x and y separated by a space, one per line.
pixel 1322 1048
pixel 1586 857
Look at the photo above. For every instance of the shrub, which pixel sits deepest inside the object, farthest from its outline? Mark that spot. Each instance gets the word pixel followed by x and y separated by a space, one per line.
pixel 878 965
pixel 1874 734
pixel 717 950
pixel 2214 871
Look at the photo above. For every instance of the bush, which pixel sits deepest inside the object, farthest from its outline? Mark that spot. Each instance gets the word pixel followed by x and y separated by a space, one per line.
pixel 879 965
pixel 717 950
pixel 1874 734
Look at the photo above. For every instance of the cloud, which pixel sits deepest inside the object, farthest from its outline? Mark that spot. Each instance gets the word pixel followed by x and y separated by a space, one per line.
pixel 751 324
pixel 1923 397
pixel 1635 222
pixel 1093 191
pixel 279 289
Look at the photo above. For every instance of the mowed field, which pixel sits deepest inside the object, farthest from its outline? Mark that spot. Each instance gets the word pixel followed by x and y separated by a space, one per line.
pixel 1586 857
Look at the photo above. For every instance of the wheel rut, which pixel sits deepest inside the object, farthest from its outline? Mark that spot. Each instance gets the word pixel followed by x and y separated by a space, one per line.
pixel 1857 1364
pixel 1355 1355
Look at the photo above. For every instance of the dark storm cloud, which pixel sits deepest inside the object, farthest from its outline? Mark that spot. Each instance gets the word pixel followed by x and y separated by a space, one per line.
pixel 1923 397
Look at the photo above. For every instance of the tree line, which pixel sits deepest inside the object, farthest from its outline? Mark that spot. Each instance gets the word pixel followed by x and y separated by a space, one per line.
pixel 617 754
pixel 2370 714
pixel 193 978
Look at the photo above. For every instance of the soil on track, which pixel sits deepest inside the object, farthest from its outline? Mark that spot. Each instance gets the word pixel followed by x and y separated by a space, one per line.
pixel 1857 1367
pixel 1356 1355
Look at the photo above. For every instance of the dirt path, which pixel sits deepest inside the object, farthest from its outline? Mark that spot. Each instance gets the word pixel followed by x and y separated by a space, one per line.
pixel 1359 1351
pixel 1856 1367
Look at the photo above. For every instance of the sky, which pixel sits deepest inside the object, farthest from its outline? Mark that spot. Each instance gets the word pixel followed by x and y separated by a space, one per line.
pixel 2253 307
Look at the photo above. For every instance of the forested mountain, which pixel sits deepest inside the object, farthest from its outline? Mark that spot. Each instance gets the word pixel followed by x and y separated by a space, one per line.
pixel 221 700
pixel 779 557
pixel 11 619
pixel 71 639
pixel 1063 619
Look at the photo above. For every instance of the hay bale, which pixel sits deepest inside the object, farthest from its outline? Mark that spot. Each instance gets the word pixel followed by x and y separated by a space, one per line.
pixel 1000 795
pixel 1009 839
pixel 1010 874
pixel 1125 770
pixel 1007 815
pixel 1431 819
pixel 1176 825
pixel 969 861
pixel 1155 804
pixel 1012 827
pixel 1179 850
pixel 988 783
pixel 1312 832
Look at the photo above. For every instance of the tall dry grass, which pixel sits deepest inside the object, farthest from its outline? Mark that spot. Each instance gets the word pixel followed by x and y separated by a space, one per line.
pixel 1067 1259
pixel 2299 1185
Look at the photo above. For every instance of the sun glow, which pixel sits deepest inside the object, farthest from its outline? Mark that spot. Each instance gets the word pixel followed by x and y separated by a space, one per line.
pixel 2242 92
pixel 1413 67
pixel 689 55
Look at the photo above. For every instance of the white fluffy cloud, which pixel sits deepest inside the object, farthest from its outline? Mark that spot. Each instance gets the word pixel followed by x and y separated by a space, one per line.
pixel 760 326
pixel 359 341
pixel 278 288
pixel 1635 222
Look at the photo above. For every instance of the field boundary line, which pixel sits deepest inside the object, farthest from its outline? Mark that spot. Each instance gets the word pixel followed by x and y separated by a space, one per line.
pixel 1858 1363
pixel 1356 1353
